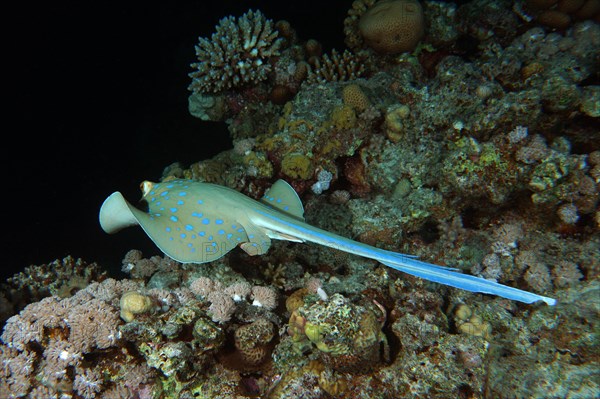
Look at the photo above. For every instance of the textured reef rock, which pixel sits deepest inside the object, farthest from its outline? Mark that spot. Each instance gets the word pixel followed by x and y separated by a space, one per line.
pixel 476 148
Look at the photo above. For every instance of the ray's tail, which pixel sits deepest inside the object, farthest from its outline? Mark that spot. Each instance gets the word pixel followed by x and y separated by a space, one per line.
pixel 404 263
pixel 466 282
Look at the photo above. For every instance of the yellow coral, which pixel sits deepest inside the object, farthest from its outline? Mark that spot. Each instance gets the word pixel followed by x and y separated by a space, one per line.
pixel 393 26
pixel 296 299
pixel 395 118
pixel 133 303
pixel 296 166
pixel 332 382
pixel 258 163
pixel 343 118
pixel 467 322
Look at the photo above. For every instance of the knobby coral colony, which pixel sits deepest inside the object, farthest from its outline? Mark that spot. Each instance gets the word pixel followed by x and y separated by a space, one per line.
pixel 407 141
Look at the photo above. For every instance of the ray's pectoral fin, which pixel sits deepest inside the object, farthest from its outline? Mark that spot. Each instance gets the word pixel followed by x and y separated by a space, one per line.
pixel 258 241
pixel 116 214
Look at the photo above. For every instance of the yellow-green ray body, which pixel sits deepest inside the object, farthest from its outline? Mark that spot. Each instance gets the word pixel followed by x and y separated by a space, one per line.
pixel 194 222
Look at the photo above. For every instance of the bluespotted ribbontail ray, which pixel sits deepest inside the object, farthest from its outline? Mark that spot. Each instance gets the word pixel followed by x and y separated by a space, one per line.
pixel 195 222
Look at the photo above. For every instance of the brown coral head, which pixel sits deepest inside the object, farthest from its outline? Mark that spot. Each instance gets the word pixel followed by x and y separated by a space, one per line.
pixel 393 26
pixel 354 96
pixel 356 174
pixel 569 6
pixel 541 4
pixel 281 94
pixel 252 341
pixel 589 10
pixel 559 14
pixel 285 30
pixel 313 48
pixel 554 19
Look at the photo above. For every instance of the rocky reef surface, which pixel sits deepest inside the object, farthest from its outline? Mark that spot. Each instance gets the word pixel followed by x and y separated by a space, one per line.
pixel 467 135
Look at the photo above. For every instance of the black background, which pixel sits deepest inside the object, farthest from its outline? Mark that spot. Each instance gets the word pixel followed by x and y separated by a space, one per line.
pixel 97 102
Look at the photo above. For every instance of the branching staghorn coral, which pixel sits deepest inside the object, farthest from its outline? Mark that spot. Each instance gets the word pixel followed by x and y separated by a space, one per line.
pixel 236 54
pixel 337 67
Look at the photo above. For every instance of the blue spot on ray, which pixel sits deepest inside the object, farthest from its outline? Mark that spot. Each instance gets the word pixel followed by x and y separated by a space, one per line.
pixel 183 235
pixel 218 221
pixel 196 214
pixel 173 210
pixel 189 227
pixel 182 194
pixel 174 218
pixel 180 202
pixel 205 221
pixel 221 232
pixel 200 202
pixel 202 234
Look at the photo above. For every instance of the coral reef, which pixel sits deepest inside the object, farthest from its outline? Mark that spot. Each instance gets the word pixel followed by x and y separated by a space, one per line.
pixel 48 347
pixel 62 277
pixel 477 149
